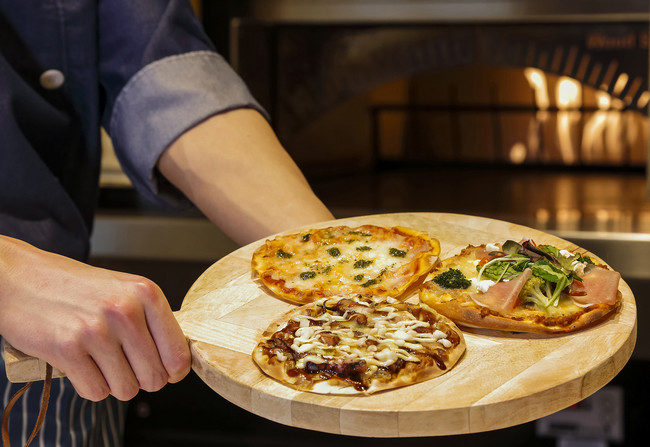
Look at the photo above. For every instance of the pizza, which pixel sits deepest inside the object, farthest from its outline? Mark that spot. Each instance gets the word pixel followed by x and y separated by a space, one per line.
pixel 358 344
pixel 341 260
pixel 522 287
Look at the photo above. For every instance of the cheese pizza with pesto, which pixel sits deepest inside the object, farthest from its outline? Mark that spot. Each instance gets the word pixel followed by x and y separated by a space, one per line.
pixel 367 259
pixel 358 344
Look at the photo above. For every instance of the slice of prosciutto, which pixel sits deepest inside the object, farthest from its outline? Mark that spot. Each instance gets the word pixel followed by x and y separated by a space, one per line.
pixel 503 295
pixel 599 285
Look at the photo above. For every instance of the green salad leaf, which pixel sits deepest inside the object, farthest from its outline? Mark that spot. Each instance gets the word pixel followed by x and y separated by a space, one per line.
pixel 504 268
pixel 555 278
pixel 551 273
pixel 547 271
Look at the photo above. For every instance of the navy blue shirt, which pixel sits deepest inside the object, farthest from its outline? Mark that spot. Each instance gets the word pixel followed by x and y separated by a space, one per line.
pixel 142 69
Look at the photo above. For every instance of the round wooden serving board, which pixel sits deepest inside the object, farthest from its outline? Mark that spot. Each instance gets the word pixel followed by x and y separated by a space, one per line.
pixel 503 379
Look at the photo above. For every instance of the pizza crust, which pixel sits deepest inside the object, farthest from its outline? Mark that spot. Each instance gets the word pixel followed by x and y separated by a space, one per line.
pixel 467 313
pixel 410 374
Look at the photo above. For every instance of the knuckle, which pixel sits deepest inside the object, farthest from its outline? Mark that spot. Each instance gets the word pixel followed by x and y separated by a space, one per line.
pixel 179 365
pixel 154 383
pixel 73 343
pixel 69 347
pixel 94 393
pixel 144 289
pixel 97 396
pixel 123 312
pixel 93 332
pixel 126 392
pixel 89 396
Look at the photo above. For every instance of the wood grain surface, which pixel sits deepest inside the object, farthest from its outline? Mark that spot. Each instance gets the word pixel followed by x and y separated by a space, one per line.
pixel 503 379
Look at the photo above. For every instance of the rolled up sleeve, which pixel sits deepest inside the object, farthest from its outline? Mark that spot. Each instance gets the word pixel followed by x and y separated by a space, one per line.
pixel 161 75
pixel 161 102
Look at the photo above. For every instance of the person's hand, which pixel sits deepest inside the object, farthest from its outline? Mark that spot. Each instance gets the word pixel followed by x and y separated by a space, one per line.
pixel 110 332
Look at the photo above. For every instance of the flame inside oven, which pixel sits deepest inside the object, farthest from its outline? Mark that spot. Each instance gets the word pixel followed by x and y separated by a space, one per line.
pixel 605 134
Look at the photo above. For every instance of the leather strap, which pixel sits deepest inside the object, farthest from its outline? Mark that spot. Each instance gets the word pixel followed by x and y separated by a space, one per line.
pixel 6 442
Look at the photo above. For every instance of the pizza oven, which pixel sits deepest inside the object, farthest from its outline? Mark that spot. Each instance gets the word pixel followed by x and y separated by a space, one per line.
pixel 535 112
pixel 349 92
pixel 386 105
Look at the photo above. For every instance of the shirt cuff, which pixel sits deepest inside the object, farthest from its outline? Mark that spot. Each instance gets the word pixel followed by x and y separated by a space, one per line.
pixel 161 102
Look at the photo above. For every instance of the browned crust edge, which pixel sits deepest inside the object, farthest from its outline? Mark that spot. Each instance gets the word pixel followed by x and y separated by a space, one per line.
pixel 469 314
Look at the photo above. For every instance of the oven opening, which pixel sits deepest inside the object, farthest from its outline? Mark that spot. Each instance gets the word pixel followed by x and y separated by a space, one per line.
pixel 508 117
pixel 544 125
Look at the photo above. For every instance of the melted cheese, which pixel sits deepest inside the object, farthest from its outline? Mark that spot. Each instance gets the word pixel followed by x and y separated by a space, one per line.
pixel 380 342
pixel 347 263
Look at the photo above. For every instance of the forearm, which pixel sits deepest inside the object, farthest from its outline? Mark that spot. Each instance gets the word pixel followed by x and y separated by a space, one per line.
pixel 235 170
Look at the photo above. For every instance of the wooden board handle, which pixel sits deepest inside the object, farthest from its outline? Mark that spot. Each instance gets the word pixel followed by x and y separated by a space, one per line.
pixel 23 368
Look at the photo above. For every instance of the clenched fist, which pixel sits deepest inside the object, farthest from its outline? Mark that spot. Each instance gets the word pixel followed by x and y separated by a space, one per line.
pixel 110 332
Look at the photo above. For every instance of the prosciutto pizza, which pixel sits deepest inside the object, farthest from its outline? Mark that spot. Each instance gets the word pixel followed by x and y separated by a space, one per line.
pixel 522 287
pixel 368 259
pixel 358 344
